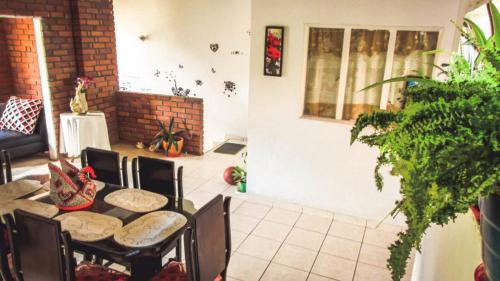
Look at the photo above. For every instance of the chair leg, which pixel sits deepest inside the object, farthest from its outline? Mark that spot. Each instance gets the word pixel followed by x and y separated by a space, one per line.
pixel 178 250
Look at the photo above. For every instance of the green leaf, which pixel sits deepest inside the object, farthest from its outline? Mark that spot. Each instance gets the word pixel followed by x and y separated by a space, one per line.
pixel 494 16
pixel 477 33
pixel 397 79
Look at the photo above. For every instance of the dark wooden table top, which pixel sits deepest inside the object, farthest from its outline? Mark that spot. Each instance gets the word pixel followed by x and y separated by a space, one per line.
pixel 108 248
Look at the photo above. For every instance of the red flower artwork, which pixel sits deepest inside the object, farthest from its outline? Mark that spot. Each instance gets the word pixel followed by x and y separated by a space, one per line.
pixel 274 51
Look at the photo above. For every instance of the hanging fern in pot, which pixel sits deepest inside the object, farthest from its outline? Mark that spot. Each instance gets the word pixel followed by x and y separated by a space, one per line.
pixel 444 144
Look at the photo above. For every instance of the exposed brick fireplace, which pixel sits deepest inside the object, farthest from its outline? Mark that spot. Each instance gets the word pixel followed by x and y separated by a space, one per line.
pixel 137 115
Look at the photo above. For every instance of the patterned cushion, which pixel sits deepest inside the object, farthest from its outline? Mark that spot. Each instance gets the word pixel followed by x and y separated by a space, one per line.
pixel 21 115
pixel 175 271
pixel 172 271
pixel 86 271
pixel 70 189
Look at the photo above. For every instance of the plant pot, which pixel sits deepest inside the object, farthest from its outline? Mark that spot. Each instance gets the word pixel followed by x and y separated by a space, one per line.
pixel 172 152
pixel 242 187
pixel 490 232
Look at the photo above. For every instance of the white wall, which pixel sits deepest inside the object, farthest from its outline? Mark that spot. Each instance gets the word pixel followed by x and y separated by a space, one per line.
pixel 180 32
pixel 311 161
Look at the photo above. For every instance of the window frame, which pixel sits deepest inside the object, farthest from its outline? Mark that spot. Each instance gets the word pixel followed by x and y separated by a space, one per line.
pixel 344 65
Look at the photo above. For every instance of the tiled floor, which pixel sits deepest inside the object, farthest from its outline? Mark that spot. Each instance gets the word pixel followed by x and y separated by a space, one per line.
pixel 275 240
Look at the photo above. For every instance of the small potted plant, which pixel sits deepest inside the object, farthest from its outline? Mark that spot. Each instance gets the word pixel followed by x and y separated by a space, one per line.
pixel 171 141
pixel 240 177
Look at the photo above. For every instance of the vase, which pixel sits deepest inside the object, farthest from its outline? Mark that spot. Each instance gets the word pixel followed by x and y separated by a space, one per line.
pixel 173 152
pixel 78 104
pixel 242 187
pixel 490 232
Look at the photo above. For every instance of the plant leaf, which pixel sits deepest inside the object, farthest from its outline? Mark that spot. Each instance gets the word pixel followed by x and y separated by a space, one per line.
pixel 495 22
pixel 477 33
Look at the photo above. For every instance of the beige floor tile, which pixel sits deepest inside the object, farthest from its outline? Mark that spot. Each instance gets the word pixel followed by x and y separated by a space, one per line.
pixel 341 247
pixel 272 230
pixel 243 223
pixel 288 206
pixel 253 210
pixel 347 231
pixel 305 239
pixel 296 257
pixel 384 226
pixel 282 216
pixel 366 272
pixel 200 198
pixel 214 185
pixel 237 238
pixel 317 212
pixel 277 272
pixel 374 255
pixel 235 203
pixel 334 267
pixel 349 219
pixel 314 223
pixel 246 268
pixel 379 237
pixel 259 247
pixel 315 277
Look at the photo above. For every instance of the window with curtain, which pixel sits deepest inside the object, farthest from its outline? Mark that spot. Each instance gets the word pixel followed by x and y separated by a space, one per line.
pixel 334 79
pixel 323 71
pixel 410 58
pixel 367 56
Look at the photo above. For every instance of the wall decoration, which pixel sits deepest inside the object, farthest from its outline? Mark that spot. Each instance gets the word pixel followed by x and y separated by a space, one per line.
pixel 229 88
pixel 274 51
pixel 176 90
pixel 214 47
pixel 157 73
pixel 181 66
pixel 236 53
pixel 213 70
pixel 198 82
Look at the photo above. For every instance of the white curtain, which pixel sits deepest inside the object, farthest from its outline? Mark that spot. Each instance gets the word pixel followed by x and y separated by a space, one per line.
pixel 410 59
pixel 323 71
pixel 367 57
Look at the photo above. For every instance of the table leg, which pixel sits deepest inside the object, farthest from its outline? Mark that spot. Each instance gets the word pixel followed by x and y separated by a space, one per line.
pixel 145 267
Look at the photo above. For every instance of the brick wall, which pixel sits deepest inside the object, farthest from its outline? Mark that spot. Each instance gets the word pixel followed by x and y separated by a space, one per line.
pixel 137 115
pixel 79 40
pixel 19 40
pixel 6 87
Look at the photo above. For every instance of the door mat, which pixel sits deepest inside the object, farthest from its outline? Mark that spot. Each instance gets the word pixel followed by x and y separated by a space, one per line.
pixel 230 148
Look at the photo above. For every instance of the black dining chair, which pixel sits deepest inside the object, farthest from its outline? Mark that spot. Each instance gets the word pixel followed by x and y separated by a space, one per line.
pixel 106 165
pixel 5 167
pixel 41 252
pixel 158 176
pixel 5 256
pixel 207 244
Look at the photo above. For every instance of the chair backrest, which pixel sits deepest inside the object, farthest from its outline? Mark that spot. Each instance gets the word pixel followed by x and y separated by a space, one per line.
pixel 37 250
pixel 106 165
pixel 4 252
pixel 208 241
pixel 155 175
pixel 5 167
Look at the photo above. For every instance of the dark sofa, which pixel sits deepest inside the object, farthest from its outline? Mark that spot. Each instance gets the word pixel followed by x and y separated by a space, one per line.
pixel 19 144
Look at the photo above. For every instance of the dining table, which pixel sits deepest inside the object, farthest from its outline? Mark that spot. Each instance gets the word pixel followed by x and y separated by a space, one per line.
pixel 143 262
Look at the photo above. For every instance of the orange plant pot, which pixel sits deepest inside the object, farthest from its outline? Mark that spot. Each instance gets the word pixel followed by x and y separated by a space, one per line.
pixel 172 152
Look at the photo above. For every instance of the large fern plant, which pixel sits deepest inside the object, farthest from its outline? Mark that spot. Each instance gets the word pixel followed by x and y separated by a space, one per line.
pixel 444 144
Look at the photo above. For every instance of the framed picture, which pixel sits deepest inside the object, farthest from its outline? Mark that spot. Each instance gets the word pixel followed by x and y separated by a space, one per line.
pixel 273 58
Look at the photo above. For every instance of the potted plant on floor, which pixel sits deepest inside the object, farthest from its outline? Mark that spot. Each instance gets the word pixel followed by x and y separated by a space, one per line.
pixel 240 177
pixel 444 144
pixel 171 141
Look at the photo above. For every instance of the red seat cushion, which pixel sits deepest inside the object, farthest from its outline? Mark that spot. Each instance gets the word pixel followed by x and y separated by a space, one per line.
pixel 175 271
pixel 480 273
pixel 86 271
